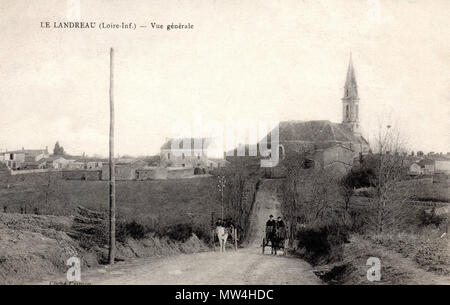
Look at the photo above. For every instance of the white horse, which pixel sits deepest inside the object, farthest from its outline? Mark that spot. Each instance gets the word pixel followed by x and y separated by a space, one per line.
pixel 222 234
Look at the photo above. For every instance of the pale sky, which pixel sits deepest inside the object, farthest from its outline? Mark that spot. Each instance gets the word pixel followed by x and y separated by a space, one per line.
pixel 244 60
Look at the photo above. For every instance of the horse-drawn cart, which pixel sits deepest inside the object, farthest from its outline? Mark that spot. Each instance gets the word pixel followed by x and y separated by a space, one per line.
pixel 275 239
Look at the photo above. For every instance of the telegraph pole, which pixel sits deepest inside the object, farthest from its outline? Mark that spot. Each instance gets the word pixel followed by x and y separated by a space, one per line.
pixel 112 176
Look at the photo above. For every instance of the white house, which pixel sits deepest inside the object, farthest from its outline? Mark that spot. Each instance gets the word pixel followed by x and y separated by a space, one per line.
pixel 57 162
pixel 18 159
pixel 415 169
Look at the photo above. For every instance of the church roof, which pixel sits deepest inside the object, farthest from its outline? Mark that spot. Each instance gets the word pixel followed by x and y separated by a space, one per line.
pixel 317 131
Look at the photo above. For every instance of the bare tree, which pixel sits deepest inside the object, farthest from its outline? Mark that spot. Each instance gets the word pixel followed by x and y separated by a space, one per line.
pixel 311 196
pixel 47 184
pixel 390 194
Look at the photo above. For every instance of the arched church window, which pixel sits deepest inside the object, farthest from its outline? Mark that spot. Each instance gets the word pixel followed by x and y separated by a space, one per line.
pixel 347 112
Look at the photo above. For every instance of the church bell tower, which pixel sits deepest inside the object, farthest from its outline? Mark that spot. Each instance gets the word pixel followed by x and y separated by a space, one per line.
pixel 350 101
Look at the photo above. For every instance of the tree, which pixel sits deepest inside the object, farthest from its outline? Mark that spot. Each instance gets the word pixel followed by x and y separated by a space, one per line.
pixel 346 188
pixel 47 184
pixel 390 194
pixel 58 150
pixel 313 196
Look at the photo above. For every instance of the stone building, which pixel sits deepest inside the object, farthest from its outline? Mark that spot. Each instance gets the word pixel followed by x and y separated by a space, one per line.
pixel 123 170
pixel 185 152
pixel 25 158
pixel 328 144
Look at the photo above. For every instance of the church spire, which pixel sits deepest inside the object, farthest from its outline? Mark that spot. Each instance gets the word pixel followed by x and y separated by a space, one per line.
pixel 351 87
pixel 350 101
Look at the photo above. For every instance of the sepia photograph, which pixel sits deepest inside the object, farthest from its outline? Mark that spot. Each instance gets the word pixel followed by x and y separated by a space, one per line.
pixel 224 149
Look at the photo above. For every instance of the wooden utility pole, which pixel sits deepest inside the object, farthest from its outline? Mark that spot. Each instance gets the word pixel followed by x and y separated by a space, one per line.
pixel 112 176
pixel 235 237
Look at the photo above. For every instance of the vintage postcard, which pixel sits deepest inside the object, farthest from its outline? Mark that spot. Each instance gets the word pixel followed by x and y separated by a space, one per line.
pixel 281 142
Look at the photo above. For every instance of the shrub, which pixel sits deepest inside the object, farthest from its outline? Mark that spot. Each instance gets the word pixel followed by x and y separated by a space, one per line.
pixel 359 177
pixel 323 244
pixel 183 231
pixel 180 232
pixel 427 218
pixel 131 229
pixel 90 228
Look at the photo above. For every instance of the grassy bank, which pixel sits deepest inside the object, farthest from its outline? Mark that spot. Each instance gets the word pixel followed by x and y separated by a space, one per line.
pixel 35 248
pixel 157 204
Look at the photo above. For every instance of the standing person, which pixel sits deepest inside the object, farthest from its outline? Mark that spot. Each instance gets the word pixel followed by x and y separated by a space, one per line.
pixel 229 223
pixel 219 222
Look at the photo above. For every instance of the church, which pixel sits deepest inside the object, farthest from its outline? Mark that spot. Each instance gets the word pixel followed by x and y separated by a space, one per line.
pixel 328 144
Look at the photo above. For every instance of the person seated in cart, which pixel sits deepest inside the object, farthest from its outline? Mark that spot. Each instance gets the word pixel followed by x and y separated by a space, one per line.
pixel 270 227
pixel 280 222
pixel 280 227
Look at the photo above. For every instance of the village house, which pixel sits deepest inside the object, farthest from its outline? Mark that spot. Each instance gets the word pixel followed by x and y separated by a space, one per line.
pixel 185 152
pixel 124 169
pixel 68 162
pixel 56 162
pixel 151 173
pixel 427 166
pixel 76 165
pixel 415 169
pixel 25 158
pixel 216 163
pixel 95 164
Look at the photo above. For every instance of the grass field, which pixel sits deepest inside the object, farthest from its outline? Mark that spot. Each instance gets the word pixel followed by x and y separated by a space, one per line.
pixel 154 203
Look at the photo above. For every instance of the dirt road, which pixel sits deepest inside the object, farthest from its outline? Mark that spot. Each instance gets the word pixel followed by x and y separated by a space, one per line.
pixel 241 267
pixel 246 266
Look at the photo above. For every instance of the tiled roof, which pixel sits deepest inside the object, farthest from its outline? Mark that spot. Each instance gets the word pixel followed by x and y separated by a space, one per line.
pixel 424 162
pixel 30 152
pixel 204 142
pixel 316 131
